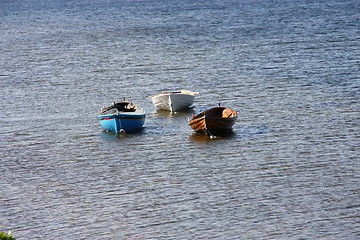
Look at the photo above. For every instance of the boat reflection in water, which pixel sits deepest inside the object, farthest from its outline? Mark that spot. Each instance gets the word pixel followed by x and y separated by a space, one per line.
pixel 182 114
pixel 203 138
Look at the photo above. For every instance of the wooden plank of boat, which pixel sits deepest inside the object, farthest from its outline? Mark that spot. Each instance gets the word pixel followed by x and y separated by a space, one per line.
pixel 216 120
pixel 198 124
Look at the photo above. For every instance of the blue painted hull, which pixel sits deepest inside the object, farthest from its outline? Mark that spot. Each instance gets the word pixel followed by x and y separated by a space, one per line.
pixel 122 122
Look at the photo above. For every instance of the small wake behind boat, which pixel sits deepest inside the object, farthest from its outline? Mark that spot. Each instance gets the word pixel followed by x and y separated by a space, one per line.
pixel 174 101
pixel 120 117
pixel 214 121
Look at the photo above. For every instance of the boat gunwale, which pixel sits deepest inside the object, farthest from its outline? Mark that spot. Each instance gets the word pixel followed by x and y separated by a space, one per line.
pixel 203 114
pixel 120 116
pixel 174 92
pixel 139 113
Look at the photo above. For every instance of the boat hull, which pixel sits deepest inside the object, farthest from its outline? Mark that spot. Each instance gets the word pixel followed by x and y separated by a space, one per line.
pixel 214 121
pixel 173 102
pixel 120 122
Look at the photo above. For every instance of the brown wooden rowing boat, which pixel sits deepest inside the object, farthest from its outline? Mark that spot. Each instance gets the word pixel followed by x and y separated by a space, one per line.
pixel 214 121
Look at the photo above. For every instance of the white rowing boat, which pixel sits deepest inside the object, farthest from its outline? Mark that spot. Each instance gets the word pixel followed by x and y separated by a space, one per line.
pixel 174 101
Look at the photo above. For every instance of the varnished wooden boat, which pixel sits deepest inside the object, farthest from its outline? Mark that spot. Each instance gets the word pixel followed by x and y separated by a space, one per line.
pixel 214 121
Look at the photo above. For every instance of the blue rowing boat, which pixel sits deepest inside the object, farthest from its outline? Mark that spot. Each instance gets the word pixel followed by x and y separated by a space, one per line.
pixel 122 117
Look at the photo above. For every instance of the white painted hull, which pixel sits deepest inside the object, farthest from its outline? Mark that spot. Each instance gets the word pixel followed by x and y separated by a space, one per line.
pixel 173 102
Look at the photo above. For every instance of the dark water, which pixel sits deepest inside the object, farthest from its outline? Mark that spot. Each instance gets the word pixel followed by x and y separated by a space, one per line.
pixel 289 170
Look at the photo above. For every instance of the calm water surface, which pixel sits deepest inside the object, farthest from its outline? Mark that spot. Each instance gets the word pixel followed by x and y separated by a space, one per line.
pixel 289 170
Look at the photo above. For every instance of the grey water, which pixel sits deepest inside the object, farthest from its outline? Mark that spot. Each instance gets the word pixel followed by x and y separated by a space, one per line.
pixel 289 170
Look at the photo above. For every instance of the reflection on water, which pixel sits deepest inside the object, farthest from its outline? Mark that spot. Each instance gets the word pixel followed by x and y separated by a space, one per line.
pixel 110 135
pixel 198 137
pixel 181 114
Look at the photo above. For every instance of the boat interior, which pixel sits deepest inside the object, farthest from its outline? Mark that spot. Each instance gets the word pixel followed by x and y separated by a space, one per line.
pixel 221 112
pixel 123 106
